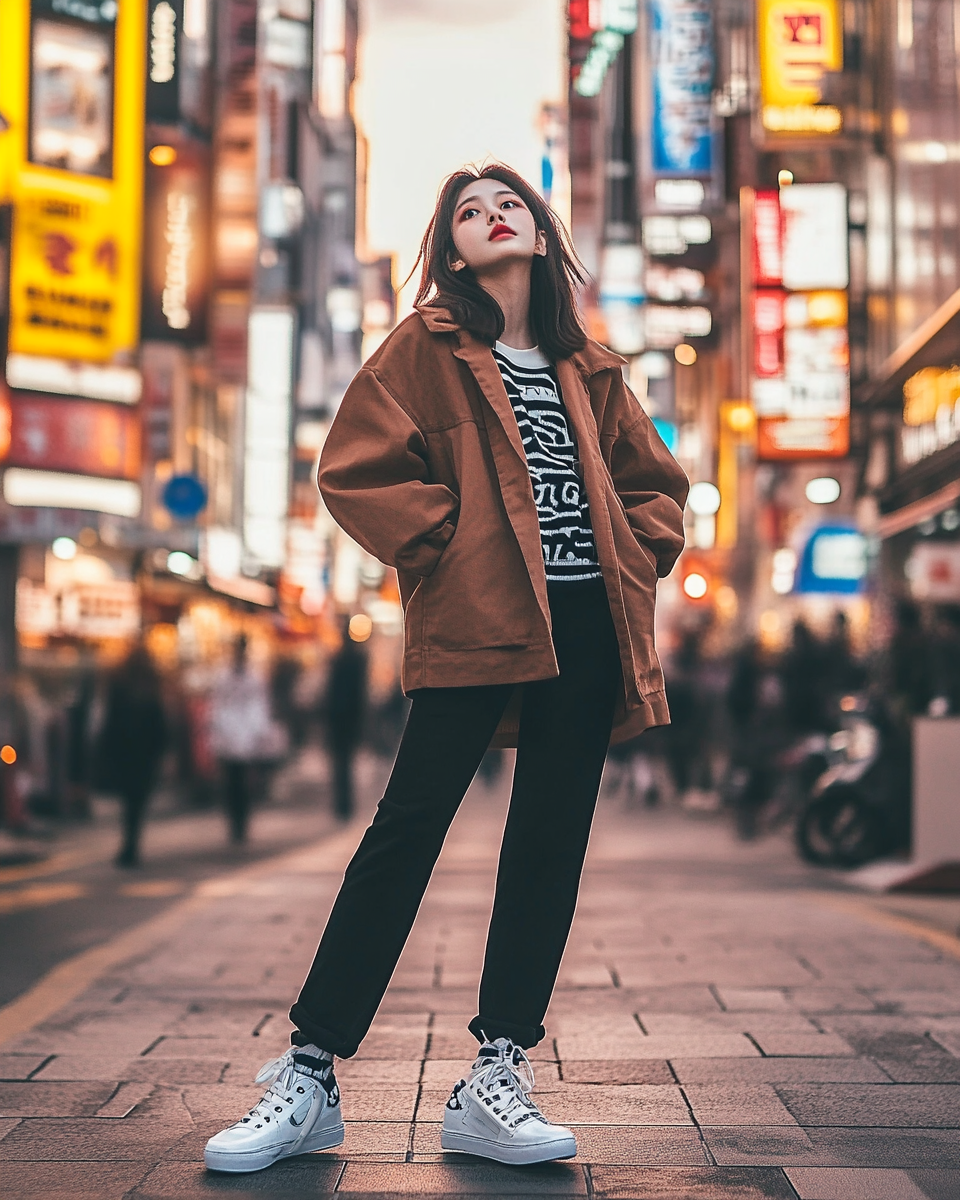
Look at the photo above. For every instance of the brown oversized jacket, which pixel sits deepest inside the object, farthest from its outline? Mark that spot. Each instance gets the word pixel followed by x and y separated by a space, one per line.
pixel 424 467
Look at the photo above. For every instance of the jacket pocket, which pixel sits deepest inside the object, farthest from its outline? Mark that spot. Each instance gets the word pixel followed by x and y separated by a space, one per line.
pixel 479 596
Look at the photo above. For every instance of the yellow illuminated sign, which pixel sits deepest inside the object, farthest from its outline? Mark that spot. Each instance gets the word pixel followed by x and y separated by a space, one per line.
pixel 74 174
pixel 928 392
pixel 799 41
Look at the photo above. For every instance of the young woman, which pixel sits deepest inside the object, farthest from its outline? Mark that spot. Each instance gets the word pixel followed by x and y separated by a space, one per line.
pixel 492 454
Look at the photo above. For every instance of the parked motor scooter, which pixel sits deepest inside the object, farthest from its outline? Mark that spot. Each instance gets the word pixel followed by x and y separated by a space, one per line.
pixel 859 808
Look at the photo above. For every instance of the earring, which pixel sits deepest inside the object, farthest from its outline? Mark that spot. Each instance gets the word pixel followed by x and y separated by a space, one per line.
pixel 458 265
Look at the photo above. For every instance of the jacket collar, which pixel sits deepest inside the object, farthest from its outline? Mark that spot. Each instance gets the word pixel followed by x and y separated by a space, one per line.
pixel 592 359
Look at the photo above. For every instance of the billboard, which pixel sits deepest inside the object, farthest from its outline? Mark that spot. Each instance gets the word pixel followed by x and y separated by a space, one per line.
pixel 71 87
pixel 814 219
pixel 85 436
pixel 800 369
pixel 799 40
pixel 683 67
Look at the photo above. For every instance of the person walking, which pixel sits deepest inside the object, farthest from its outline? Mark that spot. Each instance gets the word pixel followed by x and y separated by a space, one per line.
pixel 346 703
pixel 243 735
pixel 491 453
pixel 132 742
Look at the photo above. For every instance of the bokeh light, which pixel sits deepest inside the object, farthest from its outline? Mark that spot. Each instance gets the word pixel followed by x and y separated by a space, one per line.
pixel 695 585
pixel 360 627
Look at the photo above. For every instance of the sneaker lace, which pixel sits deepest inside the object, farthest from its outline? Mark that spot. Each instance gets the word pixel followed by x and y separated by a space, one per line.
pixel 280 1074
pixel 507 1079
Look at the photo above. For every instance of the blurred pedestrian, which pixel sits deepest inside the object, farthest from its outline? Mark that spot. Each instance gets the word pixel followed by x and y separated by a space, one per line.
pixel 284 685
pixel 755 707
pixel 345 706
pixel 843 674
pixel 686 738
pixel 77 714
pixel 806 681
pixel 911 673
pixel 131 745
pixel 945 662
pixel 15 756
pixel 243 735
pixel 493 455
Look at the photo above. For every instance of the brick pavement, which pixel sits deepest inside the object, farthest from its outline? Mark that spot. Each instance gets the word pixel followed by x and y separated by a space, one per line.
pixel 725 1026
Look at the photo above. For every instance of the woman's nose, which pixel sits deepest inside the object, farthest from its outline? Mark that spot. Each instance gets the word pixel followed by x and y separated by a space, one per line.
pixel 494 217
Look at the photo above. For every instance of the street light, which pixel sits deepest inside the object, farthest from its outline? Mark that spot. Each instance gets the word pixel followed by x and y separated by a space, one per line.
pixel 823 490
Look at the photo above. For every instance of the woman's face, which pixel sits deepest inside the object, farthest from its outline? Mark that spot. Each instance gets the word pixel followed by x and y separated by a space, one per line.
pixel 492 226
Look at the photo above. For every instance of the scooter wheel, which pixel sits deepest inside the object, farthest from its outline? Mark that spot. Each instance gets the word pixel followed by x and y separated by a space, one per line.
pixel 840 828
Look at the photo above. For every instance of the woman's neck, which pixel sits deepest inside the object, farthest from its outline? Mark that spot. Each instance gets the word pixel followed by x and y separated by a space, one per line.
pixel 510 287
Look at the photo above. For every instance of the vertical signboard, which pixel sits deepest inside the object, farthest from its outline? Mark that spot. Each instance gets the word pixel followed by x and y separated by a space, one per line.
pixel 800 369
pixel 176 258
pixel 683 68
pixel 163 60
pixel 266 466
pixel 799 40
pixel 71 87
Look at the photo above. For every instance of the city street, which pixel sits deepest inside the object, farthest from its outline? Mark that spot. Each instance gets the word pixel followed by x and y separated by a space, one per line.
pixel 728 1024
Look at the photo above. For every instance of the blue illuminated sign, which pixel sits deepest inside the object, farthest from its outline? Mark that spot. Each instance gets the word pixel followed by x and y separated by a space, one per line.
pixel 834 560
pixel 683 68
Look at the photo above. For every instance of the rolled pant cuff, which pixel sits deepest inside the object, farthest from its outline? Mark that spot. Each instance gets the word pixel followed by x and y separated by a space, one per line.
pixel 325 1039
pixel 491 1028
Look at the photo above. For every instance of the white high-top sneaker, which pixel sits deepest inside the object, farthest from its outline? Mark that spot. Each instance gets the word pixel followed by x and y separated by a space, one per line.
pixel 490 1113
pixel 299 1113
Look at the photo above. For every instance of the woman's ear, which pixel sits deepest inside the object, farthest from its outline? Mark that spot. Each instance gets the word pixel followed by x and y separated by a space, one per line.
pixel 540 247
pixel 458 265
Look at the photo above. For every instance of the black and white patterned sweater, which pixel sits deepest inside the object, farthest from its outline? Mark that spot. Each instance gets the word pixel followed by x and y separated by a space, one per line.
pixel 566 534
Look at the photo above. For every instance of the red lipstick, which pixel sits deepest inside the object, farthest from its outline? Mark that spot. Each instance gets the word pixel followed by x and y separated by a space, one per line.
pixel 500 231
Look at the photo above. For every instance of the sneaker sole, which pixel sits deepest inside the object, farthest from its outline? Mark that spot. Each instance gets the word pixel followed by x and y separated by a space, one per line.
pixel 234 1163
pixel 465 1143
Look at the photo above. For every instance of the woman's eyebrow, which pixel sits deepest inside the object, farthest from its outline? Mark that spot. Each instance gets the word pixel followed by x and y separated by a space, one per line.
pixel 474 199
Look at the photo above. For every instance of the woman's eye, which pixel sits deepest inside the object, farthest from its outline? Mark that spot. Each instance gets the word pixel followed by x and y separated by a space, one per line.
pixel 510 204
pixel 468 213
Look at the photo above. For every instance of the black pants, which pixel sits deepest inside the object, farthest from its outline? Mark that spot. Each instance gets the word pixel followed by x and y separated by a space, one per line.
pixel 134 798
pixel 237 784
pixel 342 755
pixel 564 731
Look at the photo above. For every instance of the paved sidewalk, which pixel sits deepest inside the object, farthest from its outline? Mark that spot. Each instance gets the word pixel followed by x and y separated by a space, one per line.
pixel 728 1024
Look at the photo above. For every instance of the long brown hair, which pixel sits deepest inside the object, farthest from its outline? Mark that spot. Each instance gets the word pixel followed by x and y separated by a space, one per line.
pixel 553 311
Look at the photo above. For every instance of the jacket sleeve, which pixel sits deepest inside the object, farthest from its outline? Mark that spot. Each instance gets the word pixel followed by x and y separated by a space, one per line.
pixel 648 479
pixel 375 480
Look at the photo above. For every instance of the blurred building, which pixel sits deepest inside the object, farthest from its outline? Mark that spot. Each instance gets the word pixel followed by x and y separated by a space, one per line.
pixel 181 311
pixel 766 197
pixel 911 456
pixel 182 306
